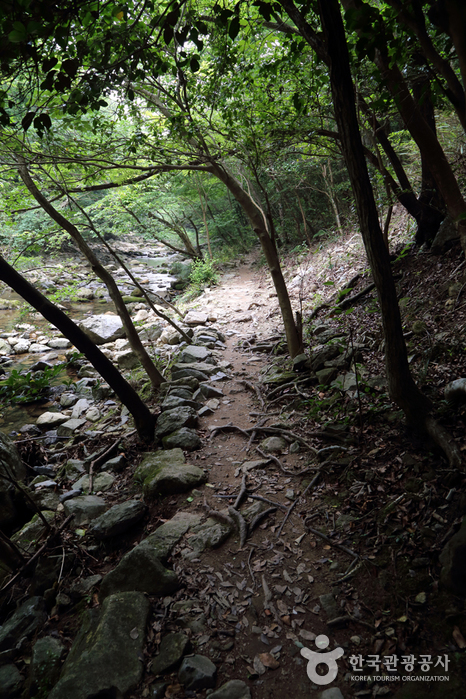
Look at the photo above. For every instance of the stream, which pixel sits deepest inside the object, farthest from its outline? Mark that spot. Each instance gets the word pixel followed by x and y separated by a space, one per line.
pixel 151 271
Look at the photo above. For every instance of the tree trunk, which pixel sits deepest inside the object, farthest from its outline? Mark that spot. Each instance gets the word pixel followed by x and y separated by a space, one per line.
pixel 153 373
pixel 402 387
pixel 143 418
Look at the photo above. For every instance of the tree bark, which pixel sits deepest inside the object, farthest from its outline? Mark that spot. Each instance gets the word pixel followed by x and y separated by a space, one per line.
pixel 143 418
pixel 402 387
pixel 153 373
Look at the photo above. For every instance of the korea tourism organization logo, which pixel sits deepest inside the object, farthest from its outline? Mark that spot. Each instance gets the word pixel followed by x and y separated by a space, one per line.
pixel 392 667
pixel 329 659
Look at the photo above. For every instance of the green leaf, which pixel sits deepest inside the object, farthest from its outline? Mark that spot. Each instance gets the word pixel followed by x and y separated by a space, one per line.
pixel 27 120
pixel 233 29
pixel 194 64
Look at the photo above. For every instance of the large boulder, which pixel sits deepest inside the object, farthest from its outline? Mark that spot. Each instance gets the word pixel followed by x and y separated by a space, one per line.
pixel 11 469
pixel 102 328
pixel 22 623
pixel 106 652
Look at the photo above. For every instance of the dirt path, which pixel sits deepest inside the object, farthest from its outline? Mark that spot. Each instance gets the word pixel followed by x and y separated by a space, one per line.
pixel 259 604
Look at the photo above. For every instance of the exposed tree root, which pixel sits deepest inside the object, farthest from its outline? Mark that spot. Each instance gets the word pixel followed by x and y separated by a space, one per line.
pixel 444 440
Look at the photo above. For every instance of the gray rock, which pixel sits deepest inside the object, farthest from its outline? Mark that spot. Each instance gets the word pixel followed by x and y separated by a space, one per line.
pixel 455 392
pixel 74 467
pixel 10 465
pixel 301 362
pixel 127 359
pixel 331 693
pixel 197 672
pixel 46 664
pixel 10 681
pixel 346 382
pixel 202 367
pixel 118 519
pixel 68 399
pixel 446 235
pixel 184 438
pixel 49 419
pixel 326 376
pixel 84 585
pixel 274 445
pixel 101 482
pixel 158 690
pixel 85 508
pixel 189 373
pixel 93 414
pixel 165 537
pixel 5 347
pixel 185 393
pixel 106 652
pixel 117 464
pixel 68 428
pixel 210 534
pixel 165 472
pixel 84 294
pixel 30 535
pixel 278 377
pixel 102 328
pixel 234 689
pixel 329 605
pixel 188 382
pixel 59 343
pixel 172 649
pixel 320 356
pixel 80 407
pixel 141 570
pixel 174 419
pixel 22 623
pixel 453 560
pixel 195 318
pixel 209 391
pixel 172 401
pixel 194 353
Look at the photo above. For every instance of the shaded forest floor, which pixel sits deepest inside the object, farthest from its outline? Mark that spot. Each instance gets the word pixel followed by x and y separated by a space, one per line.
pixel 369 517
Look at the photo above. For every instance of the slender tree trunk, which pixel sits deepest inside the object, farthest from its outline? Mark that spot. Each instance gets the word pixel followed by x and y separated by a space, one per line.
pixel 269 249
pixel 155 376
pixel 143 418
pixel 402 387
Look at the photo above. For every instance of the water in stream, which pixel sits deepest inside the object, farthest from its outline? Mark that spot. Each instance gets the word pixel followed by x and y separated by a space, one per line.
pixel 13 417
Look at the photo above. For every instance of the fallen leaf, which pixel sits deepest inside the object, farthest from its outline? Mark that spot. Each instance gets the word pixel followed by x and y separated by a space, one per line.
pixel 421 598
pixel 258 666
pixel 286 620
pixel 269 661
pixel 307 635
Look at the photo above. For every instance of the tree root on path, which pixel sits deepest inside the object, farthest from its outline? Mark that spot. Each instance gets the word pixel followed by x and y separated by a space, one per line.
pixel 444 440
pixel 270 430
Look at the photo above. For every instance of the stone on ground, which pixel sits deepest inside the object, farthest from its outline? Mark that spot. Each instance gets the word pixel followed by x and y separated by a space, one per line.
pixel 172 649
pixel 274 445
pixel 101 482
pixel 22 623
pixel 194 353
pixel 85 508
pixel 197 672
pixel 174 419
pixel 106 652
pixel 102 328
pixel 210 534
pixel 165 472
pixel 195 318
pixel 234 689
pixel 141 570
pixel 49 419
pixel 118 519
pixel 185 439
pixel 46 663
pixel 10 681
